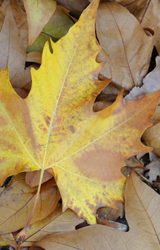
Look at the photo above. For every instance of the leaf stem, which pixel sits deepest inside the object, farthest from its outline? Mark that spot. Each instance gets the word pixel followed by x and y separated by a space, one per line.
pixel 20 238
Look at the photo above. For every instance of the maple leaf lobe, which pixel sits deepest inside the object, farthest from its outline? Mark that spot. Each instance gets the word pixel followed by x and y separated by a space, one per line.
pixel 86 164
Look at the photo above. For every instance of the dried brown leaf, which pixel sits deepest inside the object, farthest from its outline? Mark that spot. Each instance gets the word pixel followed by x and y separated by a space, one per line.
pixel 76 7
pixel 38 14
pixel 126 44
pixel 12 51
pixel 56 222
pixel 142 212
pixel 148 13
pixel 17 201
pixel 32 178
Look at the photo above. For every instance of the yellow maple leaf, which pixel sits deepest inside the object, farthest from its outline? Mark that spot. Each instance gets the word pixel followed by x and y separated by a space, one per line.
pixel 55 126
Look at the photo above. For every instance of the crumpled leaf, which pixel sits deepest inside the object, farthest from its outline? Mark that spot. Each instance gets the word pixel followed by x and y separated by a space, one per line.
pixel 12 51
pixel 17 201
pixel 127 53
pixel 55 126
pixel 142 213
pixel 38 15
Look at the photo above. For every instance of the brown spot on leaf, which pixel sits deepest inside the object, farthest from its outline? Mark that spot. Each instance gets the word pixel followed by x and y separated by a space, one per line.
pixel 99 164
pixel 47 120
pixel 71 128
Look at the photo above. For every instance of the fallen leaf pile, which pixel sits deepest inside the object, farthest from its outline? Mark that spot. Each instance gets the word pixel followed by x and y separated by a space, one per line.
pixel 79 112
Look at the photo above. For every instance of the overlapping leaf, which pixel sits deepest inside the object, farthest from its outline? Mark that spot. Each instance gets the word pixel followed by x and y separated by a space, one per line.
pixel 142 213
pixel 38 15
pixel 12 51
pixel 148 14
pixel 128 53
pixel 17 201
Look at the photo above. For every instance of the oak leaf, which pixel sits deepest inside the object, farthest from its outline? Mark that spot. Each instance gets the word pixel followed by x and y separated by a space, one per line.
pixel 55 126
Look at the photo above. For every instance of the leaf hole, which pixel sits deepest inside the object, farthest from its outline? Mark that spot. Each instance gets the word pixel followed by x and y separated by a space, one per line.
pixel 107 96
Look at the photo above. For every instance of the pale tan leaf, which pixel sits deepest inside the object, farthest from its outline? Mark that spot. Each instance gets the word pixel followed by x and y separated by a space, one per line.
pixel 128 52
pixel 38 14
pixel 142 212
pixel 150 17
pixel 17 201
pixel 148 13
pixel 152 137
pixel 56 222
pixel 12 52
pixel 137 8
pixel 21 20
